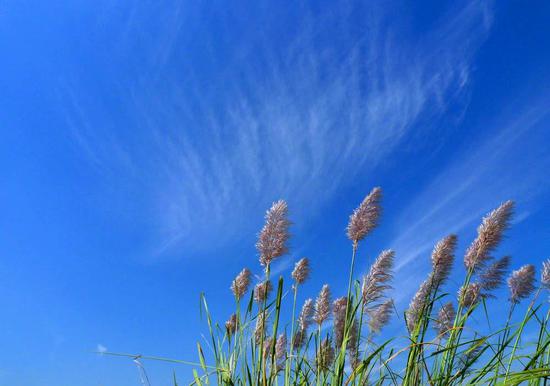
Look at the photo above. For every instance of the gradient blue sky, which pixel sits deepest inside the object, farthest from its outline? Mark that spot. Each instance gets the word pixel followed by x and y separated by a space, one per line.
pixel 141 142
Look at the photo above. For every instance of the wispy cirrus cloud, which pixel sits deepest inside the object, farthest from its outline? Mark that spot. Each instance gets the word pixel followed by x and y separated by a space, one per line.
pixel 299 119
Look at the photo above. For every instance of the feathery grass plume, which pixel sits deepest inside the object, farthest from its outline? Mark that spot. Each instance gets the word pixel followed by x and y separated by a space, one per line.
pixel 339 313
pixel 417 304
pixel 489 235
pixel 280 350
pixel 442 258
pixel 262 291
pixel 325 356
pixel 380 315
pixel 272 240
pixel 268 345
pixel 365 218
pixel 521 283
pixel 322 305
pixel 231 324
pixel 470 295
pixel 240 284
pixel 374 282
pixel 299 339
pixel 261 327
pixel 445 319
pixel 493 276
pixel 545 274
pixel 301 271
pixel 304 321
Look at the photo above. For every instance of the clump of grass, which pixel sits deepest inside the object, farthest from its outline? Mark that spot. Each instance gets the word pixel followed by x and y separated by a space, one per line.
pixel 444 344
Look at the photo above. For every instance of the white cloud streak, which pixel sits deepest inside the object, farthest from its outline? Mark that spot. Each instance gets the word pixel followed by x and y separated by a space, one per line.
pixel 300 122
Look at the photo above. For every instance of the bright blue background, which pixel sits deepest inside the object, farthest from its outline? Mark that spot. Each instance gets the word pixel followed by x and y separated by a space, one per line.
pixel 141 142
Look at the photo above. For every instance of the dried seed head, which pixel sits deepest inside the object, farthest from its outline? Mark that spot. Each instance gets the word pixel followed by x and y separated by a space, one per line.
pixel 301 271
pixel 261 327
pixel 268 347
pixel 469 296
pixel 493 276
pixel 304 319
pixel 325 356
pixel 442 258
pixel 262 291
pixel 280 347
pixel 339 313
pixel 375 281
pixel 380 315
pixel 489 235
pixel 365 218
pixel 521 283
pixel 231 325
pixel 273 238
pixel 445 319
pixel 240 284
pixel 299 339
pixel 418 304
pixel 322 305
pixel 545 274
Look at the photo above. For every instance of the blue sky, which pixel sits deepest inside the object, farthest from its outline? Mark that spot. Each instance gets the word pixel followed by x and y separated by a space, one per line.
pixel 142 142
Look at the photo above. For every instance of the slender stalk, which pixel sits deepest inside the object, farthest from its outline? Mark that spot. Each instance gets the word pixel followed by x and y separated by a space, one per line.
pixel 288 365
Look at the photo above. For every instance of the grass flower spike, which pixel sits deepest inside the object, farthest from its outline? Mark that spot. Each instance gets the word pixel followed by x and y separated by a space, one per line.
pixel 545 274
pixel 301 271
pixel 521 283
pixel 443 258
pixel 375 281
pixel 380 315
pixel 322 305
pixel 240 284
pixel 365 218
pixel 262 291
pixel 273 238
pixel 489 235
pixel 445 319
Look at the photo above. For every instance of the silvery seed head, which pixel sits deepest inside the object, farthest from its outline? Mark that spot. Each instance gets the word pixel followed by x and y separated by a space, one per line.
pixel 240 284
pixel 545 274
pixel 299 339
pixel 231 325
pixel 380 315
pixel 442 258
pixel 262 291
pixel 521 283
pixel 273 238
pixel 301 271
pixel 339 313
pixel 375 281
pixel 470 295
pixel 322 305
pixel 445 319
pixel 280 347
pixel 304 319
pixel 418 304
pixel 268 347
pixel 489 235
pixel 493 276
pixel 365 218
